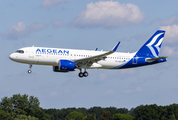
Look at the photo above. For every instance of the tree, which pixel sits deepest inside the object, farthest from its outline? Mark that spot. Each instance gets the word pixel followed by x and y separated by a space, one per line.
pixel 122 111
pixel 122 117
pixel 147 112
pixel 91 117
pixel 23 105
pixel 172 111
pixel 96 111
pixel 112 110
pixel 4 115
pixel 75 116
pixel 24 117
pixel 6 105
pixel 105 116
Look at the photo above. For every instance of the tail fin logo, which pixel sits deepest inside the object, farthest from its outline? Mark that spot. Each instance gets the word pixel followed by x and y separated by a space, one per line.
pixel 155 44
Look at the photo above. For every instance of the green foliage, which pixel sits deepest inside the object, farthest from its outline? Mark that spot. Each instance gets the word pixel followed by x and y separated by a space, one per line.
pixel 4 115
pixel 112 110
pixel 24 117
pixel 22 105
pixel 105 116
pixel 154 112
pixel 91 117
pixel 75 116
pixel 97 111
pixel 122 117
pixel 122 111
pixel 59 114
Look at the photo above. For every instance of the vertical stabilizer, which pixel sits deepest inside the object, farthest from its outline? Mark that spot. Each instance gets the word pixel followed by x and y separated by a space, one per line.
pixel 152 47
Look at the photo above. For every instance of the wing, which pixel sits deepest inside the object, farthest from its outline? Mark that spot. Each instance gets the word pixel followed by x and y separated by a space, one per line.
pixel 90 60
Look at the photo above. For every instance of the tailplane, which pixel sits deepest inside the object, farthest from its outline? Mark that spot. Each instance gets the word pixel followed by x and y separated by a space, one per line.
pixel 152 47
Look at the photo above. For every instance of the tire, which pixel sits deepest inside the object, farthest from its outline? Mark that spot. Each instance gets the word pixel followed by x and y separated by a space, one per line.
pixel 29 71
pixel 85 74
pixel 80 74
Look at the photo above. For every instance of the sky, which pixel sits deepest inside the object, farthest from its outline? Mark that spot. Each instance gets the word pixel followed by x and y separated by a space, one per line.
pixel 89 24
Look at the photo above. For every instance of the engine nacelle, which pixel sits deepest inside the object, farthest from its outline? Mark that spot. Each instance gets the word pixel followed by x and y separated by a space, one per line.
pixel 64 66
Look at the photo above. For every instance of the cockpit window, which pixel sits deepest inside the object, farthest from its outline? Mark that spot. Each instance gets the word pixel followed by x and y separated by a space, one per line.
pixel 19 51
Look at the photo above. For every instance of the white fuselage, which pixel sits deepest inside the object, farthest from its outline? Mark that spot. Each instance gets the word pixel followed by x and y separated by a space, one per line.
pixel 51 56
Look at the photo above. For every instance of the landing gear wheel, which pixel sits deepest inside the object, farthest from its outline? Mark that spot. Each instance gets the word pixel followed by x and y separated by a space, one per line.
pixel 85 74
pixel 29 71
pixel 80 74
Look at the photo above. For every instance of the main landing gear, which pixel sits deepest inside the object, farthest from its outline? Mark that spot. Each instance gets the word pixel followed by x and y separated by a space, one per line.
pixel 30 71
pixel 83 74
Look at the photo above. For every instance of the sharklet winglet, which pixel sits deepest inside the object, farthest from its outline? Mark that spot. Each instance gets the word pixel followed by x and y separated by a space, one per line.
pixel 115 47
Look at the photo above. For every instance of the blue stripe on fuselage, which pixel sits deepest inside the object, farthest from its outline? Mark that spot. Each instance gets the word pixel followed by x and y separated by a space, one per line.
pixel 140 61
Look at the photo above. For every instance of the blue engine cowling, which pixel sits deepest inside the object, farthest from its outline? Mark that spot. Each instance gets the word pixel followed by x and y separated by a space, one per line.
pixel 64 66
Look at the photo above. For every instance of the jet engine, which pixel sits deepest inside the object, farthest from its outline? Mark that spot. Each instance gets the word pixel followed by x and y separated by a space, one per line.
pixel 64 66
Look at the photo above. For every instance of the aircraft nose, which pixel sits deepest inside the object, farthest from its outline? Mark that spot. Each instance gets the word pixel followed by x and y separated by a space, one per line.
pixel 11 56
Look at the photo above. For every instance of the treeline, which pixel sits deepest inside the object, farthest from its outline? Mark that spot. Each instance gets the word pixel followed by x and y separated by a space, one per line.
pixel 24 107
pixel 142 112
pixel 94 113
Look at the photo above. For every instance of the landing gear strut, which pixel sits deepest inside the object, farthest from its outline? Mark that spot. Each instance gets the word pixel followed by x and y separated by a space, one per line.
pixel 30 71
pixel 83 74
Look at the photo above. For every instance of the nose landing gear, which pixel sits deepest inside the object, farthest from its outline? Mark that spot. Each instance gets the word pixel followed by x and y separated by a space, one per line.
pixel 30 71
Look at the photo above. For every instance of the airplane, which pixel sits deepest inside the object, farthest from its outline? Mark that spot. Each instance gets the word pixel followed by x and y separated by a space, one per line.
pixel 65 60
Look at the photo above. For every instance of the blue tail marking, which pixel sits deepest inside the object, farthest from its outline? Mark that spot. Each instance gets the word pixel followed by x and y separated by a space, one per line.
pixel 152 47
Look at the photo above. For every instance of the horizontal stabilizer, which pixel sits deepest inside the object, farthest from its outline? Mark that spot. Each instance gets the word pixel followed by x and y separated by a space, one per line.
pixel 154 59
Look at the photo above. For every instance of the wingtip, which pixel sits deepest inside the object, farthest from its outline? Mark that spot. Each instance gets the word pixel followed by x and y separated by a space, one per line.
pixel 115 47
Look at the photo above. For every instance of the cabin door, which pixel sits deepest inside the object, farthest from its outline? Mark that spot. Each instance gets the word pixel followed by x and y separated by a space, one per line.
pixel 134 60
pixel 31 52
